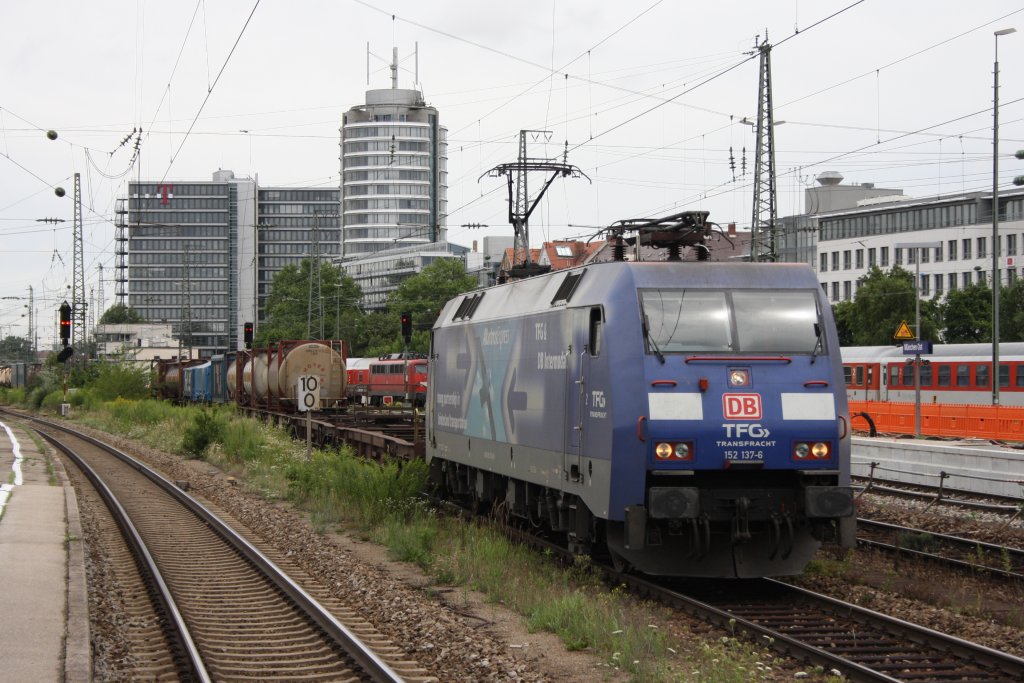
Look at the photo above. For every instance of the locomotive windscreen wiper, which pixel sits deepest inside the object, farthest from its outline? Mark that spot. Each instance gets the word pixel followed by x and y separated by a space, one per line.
pixel 817 343
pixel 650 340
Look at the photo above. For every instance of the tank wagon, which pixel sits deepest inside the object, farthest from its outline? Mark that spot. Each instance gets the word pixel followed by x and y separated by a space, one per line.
pixel 687 418
pixel 260 378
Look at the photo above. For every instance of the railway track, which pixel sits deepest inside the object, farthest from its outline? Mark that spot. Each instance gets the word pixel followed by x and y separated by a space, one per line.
pixel 214 606
pixel 862 644
pixel 976 557
pixel 937 495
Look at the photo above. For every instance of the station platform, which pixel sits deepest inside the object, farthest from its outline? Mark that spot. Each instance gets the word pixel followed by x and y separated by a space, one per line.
pixel 44 612
pixel 969 465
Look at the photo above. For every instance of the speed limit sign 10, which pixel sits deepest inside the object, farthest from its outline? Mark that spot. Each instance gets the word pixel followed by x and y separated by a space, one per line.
pixel 309 392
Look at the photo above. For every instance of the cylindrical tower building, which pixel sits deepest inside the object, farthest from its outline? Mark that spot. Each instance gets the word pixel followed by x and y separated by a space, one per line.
pixel 394 174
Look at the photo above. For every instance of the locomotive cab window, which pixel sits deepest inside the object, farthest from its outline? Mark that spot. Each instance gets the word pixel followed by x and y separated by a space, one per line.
pixel 594 332
pixel 734 321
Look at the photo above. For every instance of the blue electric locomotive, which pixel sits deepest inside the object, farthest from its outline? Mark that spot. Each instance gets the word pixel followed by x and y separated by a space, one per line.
pixel 687 418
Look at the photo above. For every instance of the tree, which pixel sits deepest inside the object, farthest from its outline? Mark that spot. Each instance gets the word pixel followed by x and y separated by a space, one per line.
pixel 967 314
pixel 424 295
pixel 289 313
pixel 1011 312
pixel 845 314
pixel 882 302
pixel 16 350
pixel 120 314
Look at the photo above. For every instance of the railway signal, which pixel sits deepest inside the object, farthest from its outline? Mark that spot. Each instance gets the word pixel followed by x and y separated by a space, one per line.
pixel 65 323
pixel 65 332
pixel 407 326
pixel 247 335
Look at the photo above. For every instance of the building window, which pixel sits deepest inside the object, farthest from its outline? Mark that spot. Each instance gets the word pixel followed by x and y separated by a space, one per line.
pixel 938 285
pixel 938 253
pixel 835 291
pixel 925 255
pixel 860 258
pixel 925 285
pixel 899 256
pixel 951 279
pixel 872 260
pixel 885 257
pixel 951 246
pixel 824 262
pixel 1011 245
pixel 965 280
pixel 966 244
pixel 835 260
pixel 847 291
pixel 982 243
pixel 847 263
pixel 979 276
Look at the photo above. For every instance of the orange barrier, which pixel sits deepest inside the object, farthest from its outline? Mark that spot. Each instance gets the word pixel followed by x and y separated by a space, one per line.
pixel 956 421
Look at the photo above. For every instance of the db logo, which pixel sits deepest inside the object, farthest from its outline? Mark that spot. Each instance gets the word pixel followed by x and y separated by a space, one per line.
pixel 741 406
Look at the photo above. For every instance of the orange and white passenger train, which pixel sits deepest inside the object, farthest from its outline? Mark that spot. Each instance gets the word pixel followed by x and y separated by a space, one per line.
pixel 951 374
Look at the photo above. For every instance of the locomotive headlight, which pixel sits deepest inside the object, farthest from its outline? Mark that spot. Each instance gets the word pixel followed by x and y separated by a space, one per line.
pixel 674 450
pixel 739 377
pixel 805 450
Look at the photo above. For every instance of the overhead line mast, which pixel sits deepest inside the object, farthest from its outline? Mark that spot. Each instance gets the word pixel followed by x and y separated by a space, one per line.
pixel 79 305
pixel 519 205
pixel 762 223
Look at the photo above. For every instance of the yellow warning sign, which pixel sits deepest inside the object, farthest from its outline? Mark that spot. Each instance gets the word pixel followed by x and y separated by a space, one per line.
pixel 903 331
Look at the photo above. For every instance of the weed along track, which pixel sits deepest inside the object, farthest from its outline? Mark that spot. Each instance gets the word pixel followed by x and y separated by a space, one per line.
pixel 220 607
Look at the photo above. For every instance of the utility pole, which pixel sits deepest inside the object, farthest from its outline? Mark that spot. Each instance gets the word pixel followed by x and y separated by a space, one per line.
pixel 519 205
pixel 762 223
pixel 79 306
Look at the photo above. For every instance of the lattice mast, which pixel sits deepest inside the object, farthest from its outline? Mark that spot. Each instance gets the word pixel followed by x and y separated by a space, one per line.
pixel 762 223
pixel 32 318
pixel 314 282
pixel 79 304
pixel 185 326
pixel 100 300
pixel 121 251
pixel 520 206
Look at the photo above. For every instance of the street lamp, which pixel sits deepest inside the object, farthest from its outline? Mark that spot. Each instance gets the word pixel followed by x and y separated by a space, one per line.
pixel 995 217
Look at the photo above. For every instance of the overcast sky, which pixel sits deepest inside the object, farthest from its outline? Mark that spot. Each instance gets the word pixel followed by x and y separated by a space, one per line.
pixel 649 97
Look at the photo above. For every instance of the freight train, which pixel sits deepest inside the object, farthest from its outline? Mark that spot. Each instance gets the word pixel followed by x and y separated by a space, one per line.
pixel 951 373
pixel 682 417
pixel 261 378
